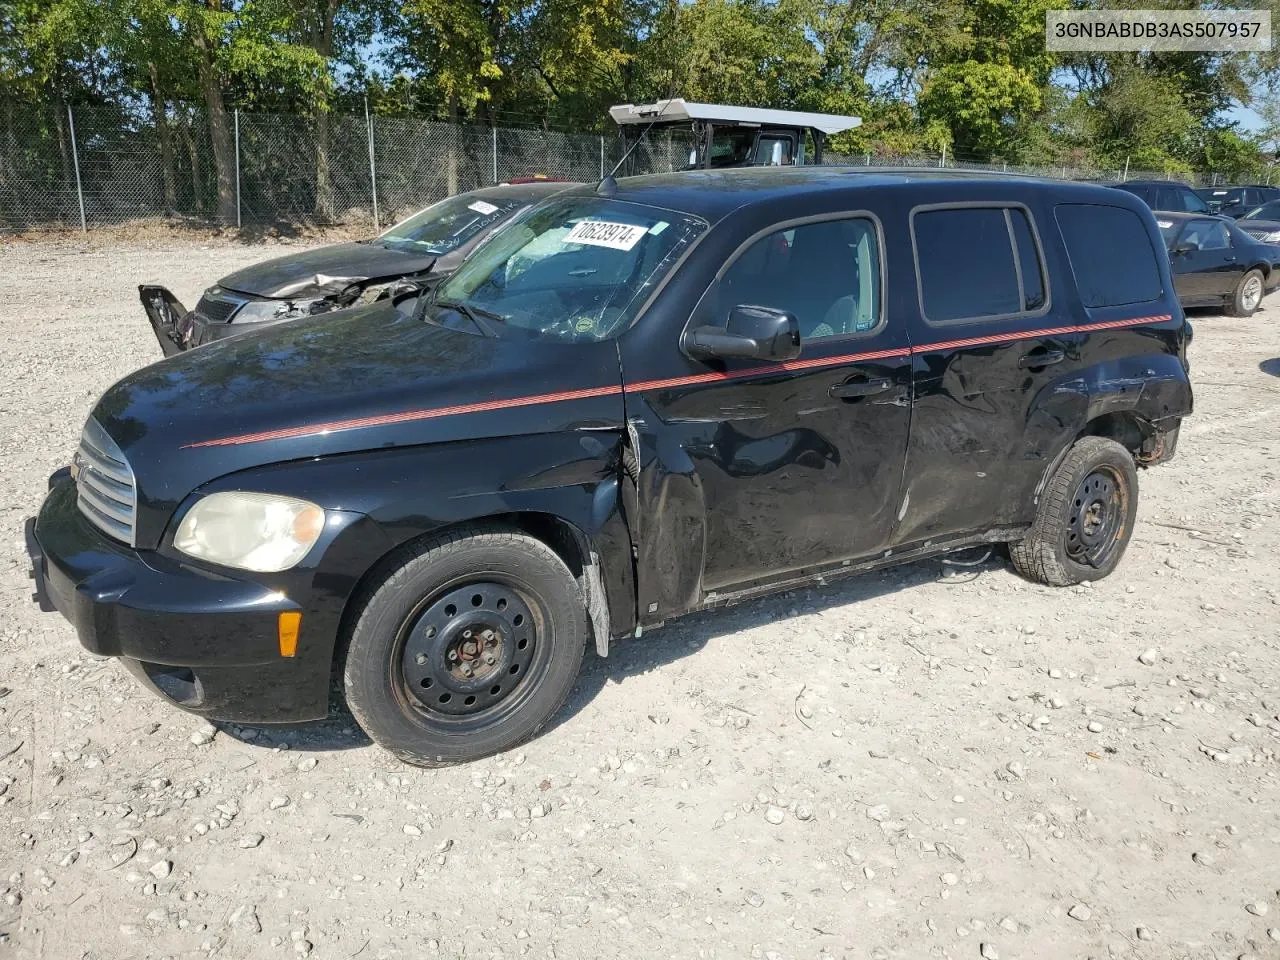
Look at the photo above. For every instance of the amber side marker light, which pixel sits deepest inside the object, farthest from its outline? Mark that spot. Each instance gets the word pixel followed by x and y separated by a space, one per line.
pixel 288 630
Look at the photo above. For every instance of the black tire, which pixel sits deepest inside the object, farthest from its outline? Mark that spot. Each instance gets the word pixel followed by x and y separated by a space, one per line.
pixel 1248 294
pixel 400 668
pixel 1085 517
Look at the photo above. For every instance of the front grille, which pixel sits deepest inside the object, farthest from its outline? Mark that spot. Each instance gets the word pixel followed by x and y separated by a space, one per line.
pixel 105 490
pixel 217 308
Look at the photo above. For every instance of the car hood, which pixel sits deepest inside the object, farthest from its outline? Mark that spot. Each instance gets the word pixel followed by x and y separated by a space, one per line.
pixel 1261 226
pixel 325 270
pixel 374 377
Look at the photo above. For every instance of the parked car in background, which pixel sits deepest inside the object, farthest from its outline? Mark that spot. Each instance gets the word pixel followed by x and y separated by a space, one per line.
pixel 1233 201
pixel 422 249
pixel 1164 195
pixel 1263 222
pixel 656 396
pixel 1216 264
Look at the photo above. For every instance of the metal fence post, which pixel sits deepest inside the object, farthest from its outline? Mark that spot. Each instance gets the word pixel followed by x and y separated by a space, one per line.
pixel 373 166
pixel 942 161
pixel 75 161
pixel 495 153
pixel 868 161
pixel 602 156
pixel 237 119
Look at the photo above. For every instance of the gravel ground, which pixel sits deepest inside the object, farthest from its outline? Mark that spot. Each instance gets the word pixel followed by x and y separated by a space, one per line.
pixel 932 762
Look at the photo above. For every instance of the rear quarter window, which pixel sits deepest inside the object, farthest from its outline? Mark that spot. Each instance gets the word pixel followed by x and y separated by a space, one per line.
pixel 1111 254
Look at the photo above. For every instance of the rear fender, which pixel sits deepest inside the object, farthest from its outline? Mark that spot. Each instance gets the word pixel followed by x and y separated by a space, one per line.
pixel 1139 401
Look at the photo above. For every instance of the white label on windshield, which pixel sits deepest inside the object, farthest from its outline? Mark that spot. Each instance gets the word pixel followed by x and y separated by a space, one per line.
pixel 482 208
pixel 1165 224
pixel 602 233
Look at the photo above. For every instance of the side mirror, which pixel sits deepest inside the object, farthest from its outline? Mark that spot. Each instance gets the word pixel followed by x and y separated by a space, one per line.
pixel 752 333
pixel 693 158
pixel 1184 248
pixel 775 158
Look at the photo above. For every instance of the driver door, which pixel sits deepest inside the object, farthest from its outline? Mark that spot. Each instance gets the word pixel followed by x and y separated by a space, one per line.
pixel 795 464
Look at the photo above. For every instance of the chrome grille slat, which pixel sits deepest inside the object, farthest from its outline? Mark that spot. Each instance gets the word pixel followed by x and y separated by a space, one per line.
pixel 120 478
pixel 120 511
pixel 105 489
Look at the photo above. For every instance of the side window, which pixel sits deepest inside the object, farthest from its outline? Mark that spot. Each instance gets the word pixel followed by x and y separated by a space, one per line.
pixel 1207 235
pixel 976 262
pixel 1111 254
pixel 1192 203
pixel 1031 268
pixel 827 274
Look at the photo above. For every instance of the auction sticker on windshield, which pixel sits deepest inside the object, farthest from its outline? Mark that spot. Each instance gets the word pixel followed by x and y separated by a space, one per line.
pixel 602 233
pixel 482 208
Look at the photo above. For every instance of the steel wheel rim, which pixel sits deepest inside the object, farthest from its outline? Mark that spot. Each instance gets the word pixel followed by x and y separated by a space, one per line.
pixel 492 691
pixel 1097 517
pixel 1251 296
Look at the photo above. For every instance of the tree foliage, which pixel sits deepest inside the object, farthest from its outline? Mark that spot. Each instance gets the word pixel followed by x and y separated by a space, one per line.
pixel 969 76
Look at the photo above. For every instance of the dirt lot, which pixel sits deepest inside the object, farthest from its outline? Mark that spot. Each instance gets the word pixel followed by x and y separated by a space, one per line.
pixel 934 762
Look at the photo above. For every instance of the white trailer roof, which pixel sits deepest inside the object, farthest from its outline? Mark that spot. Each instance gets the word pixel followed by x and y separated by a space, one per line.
pixel 678 110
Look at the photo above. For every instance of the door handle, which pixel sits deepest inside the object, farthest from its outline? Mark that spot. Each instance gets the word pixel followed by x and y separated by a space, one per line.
pixel 1042 358
pixel 860 388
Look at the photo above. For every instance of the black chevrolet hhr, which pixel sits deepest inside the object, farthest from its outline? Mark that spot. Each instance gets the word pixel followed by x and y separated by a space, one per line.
pixel 641 399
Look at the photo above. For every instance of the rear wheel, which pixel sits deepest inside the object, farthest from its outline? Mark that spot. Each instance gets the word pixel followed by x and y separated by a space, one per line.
pixel 1247 295
pixel 466 649
pixel 1085 517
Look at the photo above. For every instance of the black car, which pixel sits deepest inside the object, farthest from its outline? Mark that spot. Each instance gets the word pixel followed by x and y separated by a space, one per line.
pixel 642 399
pixel 1216 264
pixel 1164 195
pixel 1233 201
pixel 420 250
pixel 1263 222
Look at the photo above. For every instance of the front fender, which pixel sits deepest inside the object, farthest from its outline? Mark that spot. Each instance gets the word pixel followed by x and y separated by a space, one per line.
pixel 406 493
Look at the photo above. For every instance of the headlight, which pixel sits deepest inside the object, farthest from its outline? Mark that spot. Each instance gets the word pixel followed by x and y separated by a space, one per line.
pixel 1272 237
pixel 259 311
pixel 264 532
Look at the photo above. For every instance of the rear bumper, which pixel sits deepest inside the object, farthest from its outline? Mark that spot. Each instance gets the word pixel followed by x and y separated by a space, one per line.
pixel 207 643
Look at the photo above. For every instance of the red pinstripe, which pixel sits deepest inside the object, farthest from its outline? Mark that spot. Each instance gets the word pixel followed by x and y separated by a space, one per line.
pixel 408 416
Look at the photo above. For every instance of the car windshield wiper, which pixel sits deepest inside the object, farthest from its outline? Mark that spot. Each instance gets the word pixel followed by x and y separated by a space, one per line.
pixel 474 314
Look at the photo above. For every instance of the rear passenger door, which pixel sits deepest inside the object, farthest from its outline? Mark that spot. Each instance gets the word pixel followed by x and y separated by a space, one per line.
pixel 989 341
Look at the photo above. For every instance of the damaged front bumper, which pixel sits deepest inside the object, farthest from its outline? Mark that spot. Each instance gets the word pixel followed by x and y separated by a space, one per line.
pixel 170 320
pixel 215 317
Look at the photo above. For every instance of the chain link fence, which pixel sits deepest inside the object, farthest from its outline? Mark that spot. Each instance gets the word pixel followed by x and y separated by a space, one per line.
pixel 87 167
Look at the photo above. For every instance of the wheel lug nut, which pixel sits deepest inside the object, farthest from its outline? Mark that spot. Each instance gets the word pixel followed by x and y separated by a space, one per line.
pixel 466 633
pixel 491 660
pixel 420 659
pixel 466 671
pixel 453 655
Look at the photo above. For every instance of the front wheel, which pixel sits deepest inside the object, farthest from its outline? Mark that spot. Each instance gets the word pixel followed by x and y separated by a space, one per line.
pixel 1247 295
pixel 1085 517
pixel 466 649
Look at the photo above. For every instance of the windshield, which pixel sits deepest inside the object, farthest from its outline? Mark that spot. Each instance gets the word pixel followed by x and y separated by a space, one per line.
pixel 1268 211
pixel 447 225
pixel 575 269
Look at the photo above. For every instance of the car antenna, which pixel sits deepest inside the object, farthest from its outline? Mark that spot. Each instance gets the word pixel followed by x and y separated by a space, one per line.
pixel 608 186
